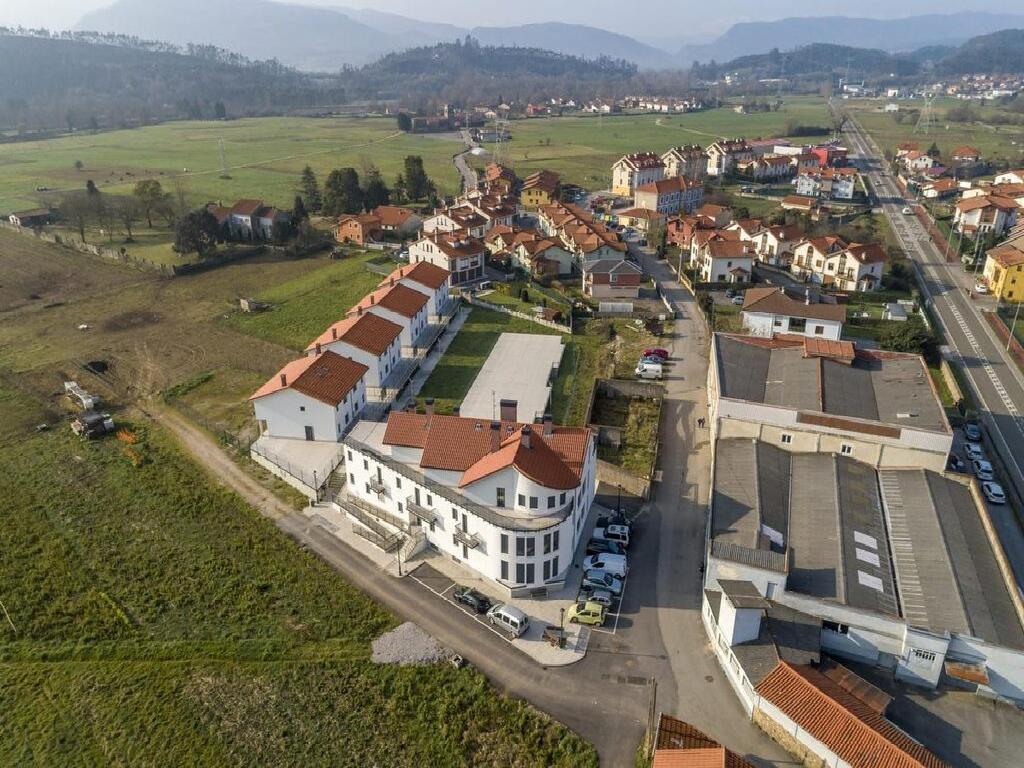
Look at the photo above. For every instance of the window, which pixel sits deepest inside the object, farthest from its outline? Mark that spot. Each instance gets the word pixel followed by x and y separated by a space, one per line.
pixel 520 573
pixel 455 514
pixel 797 324
pixel 367 489
pixel 302 408
pixel 547 570
pixel 350 455
pixel 351 479
pixel 430 500
pixel 499 500
pixel 561 498
pixel 554 565
pixel 551 502
pixel 366 464
pixel 520 546
pixel 787 439
pixel 846 449
pixel 398 482
pixel 531 547
pixel 504 543
pixel 530 574
pixel 533 502
pixel 547 543
pixel 504 570
pixel 522 500
pixel 400 509
pixel 554 541
pixel 925 656
pixel 831 626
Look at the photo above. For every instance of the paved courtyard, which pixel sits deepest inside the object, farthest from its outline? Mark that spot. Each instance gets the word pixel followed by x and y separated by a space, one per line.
pixel 519 368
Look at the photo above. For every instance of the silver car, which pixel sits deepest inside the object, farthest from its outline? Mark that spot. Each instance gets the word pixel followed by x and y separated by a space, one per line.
pixel 596 579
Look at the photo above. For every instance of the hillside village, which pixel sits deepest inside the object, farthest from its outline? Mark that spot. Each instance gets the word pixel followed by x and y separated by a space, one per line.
pixel 731 422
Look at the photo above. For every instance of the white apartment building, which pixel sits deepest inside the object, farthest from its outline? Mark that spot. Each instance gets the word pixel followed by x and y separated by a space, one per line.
pixel 368 339
pixel 401 305
pixel 635 170
pixel 432 281
pixel 506 499
pixel 458 253
pixel 831 261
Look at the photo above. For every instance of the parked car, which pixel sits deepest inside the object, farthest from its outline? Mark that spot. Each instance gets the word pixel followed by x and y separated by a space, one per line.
pixel 616 565
pixel 601 597
pixel 908 211
pixel 598 546
pixel 974 451
pixel 588 612
pixel 737 300
pixel 648 371
pixel 729 293
pixel 656 352
pixel 972 431
pixel 956 464
pixel 982 469
pixel 594 580
pixel 613 533
pixel 603 521
pixel 994 492
pixel 478 601
pixel 980 287
pixel 651 359
pixel 509 618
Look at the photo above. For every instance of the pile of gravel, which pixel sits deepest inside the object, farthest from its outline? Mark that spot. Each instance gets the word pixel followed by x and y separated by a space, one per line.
pixel 407 644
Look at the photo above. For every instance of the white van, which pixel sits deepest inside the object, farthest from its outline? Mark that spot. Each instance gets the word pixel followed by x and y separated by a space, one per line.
pixel 617 533
pixel 613 564
pixel 509 618
pixel 648 371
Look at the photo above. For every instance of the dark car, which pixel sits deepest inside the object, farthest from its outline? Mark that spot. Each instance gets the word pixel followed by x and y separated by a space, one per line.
pixel 469 597
pixel 600 547
pixel 956 464
pixel 972 431
pixel 605 520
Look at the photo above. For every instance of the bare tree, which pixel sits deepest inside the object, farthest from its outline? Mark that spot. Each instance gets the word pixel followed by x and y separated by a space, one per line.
pixel 77 211
pixel 128 212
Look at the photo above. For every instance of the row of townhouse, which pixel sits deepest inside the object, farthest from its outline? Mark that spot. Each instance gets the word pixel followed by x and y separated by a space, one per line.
pixel 989 210
pixel 249 219
pixel 828 183
pixel 529 249
pixel 363 228
pixel 366 356
pixel 831 261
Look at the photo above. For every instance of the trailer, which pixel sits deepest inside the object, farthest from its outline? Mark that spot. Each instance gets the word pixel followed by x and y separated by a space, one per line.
pixel 80 397
pixel 92 424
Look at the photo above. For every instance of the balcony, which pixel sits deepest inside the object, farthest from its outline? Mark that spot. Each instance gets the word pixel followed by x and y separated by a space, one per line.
pixel 461 536
pixel 426 514
pixel 377 486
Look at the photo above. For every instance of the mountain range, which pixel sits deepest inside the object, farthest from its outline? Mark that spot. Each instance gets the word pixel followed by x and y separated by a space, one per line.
pixel 325 39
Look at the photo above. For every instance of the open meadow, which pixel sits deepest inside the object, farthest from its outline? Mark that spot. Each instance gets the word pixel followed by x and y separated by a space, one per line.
pixel 264 157
pixel 583 148
pixel 997 143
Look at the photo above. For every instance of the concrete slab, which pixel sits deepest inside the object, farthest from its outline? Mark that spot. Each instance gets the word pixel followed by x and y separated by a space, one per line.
pixel 519 368
pixel 304 464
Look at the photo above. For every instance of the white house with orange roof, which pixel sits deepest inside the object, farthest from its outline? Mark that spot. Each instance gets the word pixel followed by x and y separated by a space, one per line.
pixel 317 397
pixel 401 305
pixel 457 252
pixel 833 262
pixel 635 170
pixel 368 339
pixel 432 281
pixel 505 498
pixel 985 214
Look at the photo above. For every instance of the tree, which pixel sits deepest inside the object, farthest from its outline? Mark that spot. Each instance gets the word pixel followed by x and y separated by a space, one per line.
pixel 404 122
pixel 909 336
pixel 417 183
pixel 196 232
pixel 398 190
pixel 127 210
pixel 309 188
pixel 933 150
pixel 90 188
pixel 79 165
pixel 376 193
pixel 75 209
pixel 299 212
pixel 219 110
pixel 150 196
pixel 342 193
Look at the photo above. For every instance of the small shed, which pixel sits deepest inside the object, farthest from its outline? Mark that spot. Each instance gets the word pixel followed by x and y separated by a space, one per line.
pixel 894 311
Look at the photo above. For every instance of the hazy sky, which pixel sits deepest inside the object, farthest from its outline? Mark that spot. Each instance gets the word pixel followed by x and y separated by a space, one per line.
pixel 663 19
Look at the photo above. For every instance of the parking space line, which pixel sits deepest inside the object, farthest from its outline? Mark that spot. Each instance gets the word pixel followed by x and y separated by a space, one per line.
pixel 460 609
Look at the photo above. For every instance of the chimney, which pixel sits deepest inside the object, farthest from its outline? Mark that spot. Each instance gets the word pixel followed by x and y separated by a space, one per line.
pixel 495 435
pixel 359 311
pixel 508 410
pixel 525 439
pixel 456 408
pixel 392 282
pixel 334 332
pixel 372 299
pixel 284 380
pixel 429 403
pixel 411 407
pixel 549 426
pixel 319 349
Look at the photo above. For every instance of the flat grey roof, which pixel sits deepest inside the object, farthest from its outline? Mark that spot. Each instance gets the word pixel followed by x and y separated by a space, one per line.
pixel 835 521
pixel 892 390
pixel 518 368
pixel 947 572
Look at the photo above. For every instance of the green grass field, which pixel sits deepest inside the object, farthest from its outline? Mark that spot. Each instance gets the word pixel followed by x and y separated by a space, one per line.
pixel 264 158
pixel 997 143
pixel 152 618
pixel 305 306
pixel 583 148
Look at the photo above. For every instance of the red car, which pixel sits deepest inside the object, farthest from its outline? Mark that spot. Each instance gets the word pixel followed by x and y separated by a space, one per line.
pixel 656 352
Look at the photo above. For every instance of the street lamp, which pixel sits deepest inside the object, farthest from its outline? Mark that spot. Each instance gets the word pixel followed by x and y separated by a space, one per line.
pixel 561 619
pixel 618 501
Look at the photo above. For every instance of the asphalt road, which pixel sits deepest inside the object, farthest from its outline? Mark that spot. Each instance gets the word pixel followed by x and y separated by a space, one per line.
pixel 997 383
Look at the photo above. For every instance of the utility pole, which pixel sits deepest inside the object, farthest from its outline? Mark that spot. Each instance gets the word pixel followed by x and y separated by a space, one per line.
pixel 223 160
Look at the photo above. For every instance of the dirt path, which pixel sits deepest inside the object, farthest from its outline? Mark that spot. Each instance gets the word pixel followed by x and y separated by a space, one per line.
pixel 217 462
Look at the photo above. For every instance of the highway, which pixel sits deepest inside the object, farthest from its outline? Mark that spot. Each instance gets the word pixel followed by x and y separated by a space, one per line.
pixel 997 384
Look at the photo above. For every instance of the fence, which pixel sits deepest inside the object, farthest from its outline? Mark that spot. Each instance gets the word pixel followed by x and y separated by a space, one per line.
pixel 1010 343
pixel 522 315
pixel 311 477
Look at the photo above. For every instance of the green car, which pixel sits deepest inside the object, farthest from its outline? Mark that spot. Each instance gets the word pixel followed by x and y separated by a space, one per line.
pixel 587 612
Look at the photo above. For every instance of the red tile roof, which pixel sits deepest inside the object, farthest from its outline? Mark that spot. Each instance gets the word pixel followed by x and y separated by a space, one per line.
pixel 850 727
pixel 775 301
pixel 246 207
pixel 400 299
pixel 422 272
pixel 368 332
pixel 680 745
pixel 327 377
pixel 665 186
pixel 461 444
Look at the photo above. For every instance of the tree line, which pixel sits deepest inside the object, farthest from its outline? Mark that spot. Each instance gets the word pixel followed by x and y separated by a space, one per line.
pixel 343 191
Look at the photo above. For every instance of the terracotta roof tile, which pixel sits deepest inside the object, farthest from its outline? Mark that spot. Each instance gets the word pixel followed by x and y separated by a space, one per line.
pixel 776 302
pixel 392 215
pixel 422 272
pixel 246 207
pixel 400 299
pixel 368 332
pixel 327 377
pixel 680 745
pixel 848 726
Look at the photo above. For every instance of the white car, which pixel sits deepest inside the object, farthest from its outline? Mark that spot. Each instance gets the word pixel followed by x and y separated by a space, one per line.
pixel 982 469
pixel 908 211
pixel 613 564
pixel 974 452
pixel 980 287
pixel 993 492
